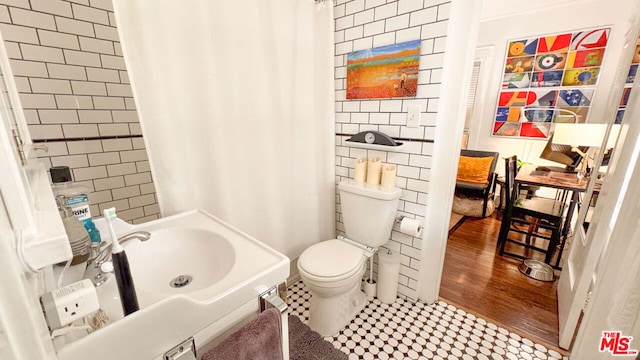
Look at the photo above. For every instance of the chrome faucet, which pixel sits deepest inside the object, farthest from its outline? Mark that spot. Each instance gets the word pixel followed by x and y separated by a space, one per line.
pixel 140 235
pixel 98 263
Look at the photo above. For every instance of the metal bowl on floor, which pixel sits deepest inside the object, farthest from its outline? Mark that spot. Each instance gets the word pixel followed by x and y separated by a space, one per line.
pixel 537 270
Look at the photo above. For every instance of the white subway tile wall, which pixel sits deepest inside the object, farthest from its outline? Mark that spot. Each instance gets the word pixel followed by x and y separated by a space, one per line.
pixel 69 70
pixel 362 24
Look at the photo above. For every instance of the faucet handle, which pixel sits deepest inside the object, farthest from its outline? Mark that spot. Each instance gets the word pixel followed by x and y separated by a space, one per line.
pixel 106 267
pixel 98 272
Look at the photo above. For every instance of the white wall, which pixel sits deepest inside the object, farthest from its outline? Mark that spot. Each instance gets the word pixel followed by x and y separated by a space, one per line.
pixel 495 9
pixel 456 79
pixel 499 25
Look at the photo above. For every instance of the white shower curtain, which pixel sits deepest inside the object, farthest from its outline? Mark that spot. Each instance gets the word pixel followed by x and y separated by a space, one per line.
pixel 236 107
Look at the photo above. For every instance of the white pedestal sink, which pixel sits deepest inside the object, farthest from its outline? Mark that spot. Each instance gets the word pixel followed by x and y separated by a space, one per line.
pixel 226 268
pixel 178 263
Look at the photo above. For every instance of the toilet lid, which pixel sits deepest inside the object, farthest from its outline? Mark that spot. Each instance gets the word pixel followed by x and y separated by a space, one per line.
pixel 331 258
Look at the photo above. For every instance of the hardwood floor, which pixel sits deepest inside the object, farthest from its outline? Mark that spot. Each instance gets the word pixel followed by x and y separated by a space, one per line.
pixel 476 278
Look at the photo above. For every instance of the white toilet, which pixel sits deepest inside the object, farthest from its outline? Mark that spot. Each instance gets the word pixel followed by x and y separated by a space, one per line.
pixel 333 269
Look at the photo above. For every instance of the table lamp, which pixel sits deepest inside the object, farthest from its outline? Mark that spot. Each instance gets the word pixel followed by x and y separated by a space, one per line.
pixel 577 135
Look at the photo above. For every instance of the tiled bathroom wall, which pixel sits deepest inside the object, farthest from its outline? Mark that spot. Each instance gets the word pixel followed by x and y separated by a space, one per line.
pixel 73 84
pixel 363 24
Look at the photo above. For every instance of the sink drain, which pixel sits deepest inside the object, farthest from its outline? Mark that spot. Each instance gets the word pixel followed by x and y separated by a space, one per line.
pixel 181 281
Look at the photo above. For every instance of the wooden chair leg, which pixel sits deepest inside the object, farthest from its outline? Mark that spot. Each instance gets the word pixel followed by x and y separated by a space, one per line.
pixel 553 243
pixel 533 228
pixel 504 231
pixel 484 206
pixel 503 243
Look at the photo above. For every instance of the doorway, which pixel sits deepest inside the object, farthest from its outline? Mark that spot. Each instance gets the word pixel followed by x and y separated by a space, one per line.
pixel 492 286
pixel 485 283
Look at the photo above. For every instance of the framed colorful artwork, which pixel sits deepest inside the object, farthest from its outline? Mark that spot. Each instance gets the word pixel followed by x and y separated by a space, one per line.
pixel 384 72
pixel 549 79
pixel 631 77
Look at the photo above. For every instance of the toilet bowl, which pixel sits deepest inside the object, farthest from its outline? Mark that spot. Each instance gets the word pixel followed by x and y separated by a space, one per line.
pixel 332 270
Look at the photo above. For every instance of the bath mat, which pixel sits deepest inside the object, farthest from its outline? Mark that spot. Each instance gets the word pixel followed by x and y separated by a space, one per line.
pixel 260 339
pixel 306 344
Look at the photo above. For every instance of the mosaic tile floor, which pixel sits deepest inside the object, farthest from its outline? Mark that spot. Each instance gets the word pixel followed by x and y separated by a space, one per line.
pixel 404 330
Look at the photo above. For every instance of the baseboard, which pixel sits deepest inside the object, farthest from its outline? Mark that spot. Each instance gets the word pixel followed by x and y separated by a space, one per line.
pixel 294 274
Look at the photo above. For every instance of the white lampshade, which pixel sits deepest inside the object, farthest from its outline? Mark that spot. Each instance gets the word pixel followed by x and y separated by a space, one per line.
pixel 579 134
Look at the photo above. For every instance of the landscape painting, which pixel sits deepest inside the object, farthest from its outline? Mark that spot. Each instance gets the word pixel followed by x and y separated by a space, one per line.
pixel 384 72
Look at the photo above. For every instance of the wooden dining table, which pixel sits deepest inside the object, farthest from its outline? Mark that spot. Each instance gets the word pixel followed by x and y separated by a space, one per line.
pixel 552 179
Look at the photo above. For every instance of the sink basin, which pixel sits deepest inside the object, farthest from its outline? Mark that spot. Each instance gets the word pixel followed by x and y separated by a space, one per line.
pixel 183 261
pixel 193 273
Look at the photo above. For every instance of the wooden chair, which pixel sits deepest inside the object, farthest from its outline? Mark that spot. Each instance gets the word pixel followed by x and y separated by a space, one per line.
pixel 527 217
pixel 484 189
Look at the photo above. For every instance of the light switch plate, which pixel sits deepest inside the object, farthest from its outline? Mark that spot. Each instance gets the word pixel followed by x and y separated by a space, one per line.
pixel 413 116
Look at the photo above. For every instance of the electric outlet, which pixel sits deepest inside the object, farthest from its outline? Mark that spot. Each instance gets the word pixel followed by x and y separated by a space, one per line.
pixel 70 303
pixel 413 116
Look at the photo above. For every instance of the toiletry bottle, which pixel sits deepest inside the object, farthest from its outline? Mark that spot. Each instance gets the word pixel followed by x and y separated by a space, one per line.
pixel 76 232
pixel 76 200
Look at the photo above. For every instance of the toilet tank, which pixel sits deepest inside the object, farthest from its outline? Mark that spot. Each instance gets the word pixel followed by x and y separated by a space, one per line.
pixel 368 211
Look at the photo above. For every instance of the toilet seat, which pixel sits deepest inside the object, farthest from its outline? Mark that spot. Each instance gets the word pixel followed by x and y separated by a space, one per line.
pixel 331 260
